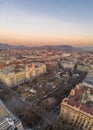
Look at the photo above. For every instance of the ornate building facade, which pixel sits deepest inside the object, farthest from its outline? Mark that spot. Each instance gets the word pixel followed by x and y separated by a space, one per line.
pixel 15 75
pixel 77 109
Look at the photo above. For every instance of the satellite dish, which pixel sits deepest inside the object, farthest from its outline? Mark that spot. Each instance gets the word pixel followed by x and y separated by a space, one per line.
pixel 10 121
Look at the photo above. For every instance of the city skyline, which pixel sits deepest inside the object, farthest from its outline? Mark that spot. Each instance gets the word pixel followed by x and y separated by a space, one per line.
pixel 46 22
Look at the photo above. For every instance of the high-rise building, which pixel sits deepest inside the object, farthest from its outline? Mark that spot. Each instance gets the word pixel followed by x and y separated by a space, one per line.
pixel 8 121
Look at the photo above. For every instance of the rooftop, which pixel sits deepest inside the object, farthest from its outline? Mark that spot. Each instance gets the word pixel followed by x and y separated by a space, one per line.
pixel 82 98
pixel 89 80
pixel 4 112
pixel 12 69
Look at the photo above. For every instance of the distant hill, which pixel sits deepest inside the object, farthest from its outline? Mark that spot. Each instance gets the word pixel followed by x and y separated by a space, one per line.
pixel 21 47
pixel 88 49
pixel 8 46
pixel 5 46
pixel 64 47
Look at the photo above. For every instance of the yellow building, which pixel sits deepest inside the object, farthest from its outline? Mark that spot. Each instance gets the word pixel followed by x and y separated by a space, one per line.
pixel 77 109
pixel 13 75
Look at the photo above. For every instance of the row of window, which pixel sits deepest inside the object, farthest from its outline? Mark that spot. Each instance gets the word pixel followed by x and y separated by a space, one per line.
pixel 77 119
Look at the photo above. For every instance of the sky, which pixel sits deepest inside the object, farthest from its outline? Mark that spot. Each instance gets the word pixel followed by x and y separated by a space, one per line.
pixel 46 22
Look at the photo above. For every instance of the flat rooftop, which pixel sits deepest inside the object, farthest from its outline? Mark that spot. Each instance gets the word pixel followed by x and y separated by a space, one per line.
pixel 89 79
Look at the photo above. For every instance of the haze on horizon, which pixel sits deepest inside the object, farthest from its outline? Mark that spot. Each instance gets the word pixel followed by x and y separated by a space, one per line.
pixel 44 22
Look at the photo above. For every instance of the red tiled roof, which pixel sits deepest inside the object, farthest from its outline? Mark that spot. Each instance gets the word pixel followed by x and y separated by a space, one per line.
pixel 2 65
pixel 17 63
pixel 74 100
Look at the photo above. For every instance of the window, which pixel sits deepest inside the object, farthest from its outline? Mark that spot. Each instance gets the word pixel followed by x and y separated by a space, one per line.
pixel 16 128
